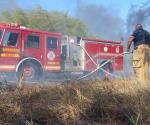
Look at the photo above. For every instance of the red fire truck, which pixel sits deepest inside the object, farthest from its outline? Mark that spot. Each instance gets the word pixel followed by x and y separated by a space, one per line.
pixel 30 53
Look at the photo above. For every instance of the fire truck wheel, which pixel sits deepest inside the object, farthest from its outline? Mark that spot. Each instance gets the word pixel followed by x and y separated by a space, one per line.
pixel 108 68
pixel 29 71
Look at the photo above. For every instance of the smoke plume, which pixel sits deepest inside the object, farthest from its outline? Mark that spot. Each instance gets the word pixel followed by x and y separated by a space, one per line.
pixel 138 14
pixel 101 21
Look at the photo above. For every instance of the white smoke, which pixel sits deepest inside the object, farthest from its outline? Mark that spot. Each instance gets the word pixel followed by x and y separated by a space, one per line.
pixel 139 14
pixel 101 21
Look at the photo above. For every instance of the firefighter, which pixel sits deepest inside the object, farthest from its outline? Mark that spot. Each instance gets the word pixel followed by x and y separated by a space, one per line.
pixel 141 53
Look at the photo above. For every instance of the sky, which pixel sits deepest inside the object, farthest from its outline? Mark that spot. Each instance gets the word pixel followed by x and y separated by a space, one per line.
pixel 121 7
pixel 110 19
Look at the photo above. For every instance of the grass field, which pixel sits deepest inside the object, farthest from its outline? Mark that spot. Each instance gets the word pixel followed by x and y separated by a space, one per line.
pixel 108 102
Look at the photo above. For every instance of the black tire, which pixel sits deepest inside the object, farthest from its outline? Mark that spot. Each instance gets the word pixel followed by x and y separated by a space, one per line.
pixel 107 67
pixel 29 71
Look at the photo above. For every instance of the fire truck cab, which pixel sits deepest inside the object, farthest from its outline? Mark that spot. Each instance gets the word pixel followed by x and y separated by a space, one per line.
pixel 28 52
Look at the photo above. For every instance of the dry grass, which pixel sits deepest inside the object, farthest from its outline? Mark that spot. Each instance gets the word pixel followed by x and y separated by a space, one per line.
pixel 116 102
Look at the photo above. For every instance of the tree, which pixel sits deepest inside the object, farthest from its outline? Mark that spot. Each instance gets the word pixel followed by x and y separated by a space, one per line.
pixel 53 21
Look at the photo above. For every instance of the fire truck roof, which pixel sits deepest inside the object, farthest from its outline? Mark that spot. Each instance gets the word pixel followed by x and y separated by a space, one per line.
pixel 101 40
pixel 16 26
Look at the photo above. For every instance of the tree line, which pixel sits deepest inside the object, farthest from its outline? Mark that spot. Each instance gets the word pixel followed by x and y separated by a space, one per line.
pixel 39 18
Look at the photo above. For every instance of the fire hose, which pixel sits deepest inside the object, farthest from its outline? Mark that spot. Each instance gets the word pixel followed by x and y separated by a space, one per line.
pixel 97 65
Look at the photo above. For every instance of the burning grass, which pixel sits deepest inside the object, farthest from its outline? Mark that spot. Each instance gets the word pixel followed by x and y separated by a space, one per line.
pixel 115 102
